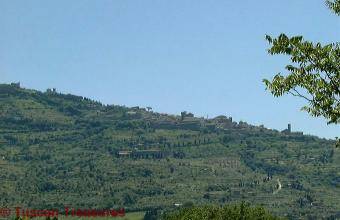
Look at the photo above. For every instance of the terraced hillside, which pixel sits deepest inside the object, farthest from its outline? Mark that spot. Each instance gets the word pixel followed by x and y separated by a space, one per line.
pixel 60 149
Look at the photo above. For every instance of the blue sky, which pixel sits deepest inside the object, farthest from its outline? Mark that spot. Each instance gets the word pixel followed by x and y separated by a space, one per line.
pixel 206 57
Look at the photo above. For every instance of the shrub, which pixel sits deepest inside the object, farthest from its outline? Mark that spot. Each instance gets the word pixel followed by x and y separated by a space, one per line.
pixel 242 211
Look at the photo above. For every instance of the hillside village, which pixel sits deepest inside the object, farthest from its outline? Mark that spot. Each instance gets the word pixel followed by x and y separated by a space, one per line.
pixel 53 144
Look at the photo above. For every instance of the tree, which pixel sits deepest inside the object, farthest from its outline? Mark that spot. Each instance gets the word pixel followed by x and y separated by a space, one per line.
pixel 334 6
pixel 239 211
pixel 313 75
pixel 151 214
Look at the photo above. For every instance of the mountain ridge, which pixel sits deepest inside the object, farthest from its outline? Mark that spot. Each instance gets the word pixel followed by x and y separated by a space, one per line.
pixel 53 92
pixel 59 149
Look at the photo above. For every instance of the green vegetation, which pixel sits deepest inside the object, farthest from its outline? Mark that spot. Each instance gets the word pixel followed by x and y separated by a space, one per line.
pixel 314 74
pixel 334 6
pixel 60 149
pixel 228 212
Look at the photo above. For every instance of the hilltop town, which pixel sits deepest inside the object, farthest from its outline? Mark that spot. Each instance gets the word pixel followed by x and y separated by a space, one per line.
pixel 65 148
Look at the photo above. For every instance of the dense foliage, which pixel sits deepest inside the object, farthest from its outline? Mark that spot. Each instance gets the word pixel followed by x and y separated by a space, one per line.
pixel 60 149
pixel 228 212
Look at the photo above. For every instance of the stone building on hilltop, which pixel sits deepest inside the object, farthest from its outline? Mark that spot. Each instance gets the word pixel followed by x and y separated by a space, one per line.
pixel 289 131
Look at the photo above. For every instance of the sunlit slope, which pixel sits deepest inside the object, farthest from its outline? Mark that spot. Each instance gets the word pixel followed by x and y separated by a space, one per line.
pixel 58 149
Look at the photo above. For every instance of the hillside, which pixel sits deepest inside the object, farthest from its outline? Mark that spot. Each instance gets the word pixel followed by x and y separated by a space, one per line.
pixel 61 149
